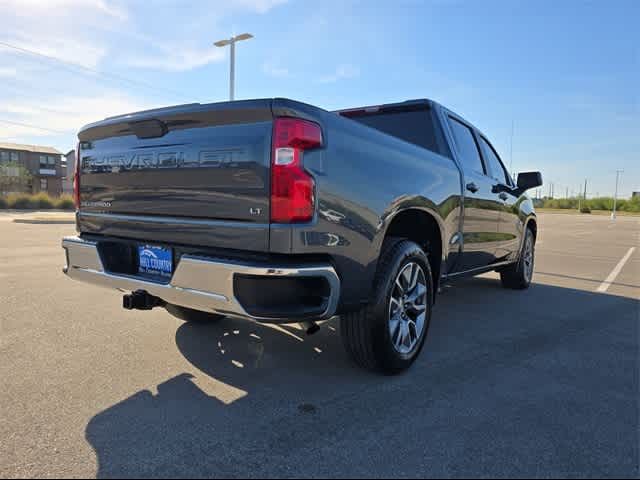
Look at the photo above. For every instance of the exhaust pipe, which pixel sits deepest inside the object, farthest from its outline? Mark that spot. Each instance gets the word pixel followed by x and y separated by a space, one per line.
pixel 141 300
pixel 310 327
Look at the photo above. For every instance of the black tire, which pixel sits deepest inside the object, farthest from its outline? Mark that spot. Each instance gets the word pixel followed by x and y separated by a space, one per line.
pixel 191 315
pixel 519 275
pixel 367 334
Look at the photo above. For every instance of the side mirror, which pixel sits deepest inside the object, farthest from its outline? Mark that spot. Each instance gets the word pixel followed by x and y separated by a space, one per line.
pixel 528 180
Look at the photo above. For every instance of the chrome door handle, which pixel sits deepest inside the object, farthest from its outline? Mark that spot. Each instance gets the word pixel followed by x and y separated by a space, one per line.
pixel 472 187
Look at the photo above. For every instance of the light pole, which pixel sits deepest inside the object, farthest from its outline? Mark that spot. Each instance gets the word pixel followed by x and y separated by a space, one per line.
pixel 615 196
pixel 232 71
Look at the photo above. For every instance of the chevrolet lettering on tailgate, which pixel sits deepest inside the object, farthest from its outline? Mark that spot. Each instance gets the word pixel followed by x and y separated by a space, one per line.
pixel 166 159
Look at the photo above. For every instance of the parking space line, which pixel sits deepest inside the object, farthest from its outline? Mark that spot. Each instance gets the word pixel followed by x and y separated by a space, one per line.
pixel 604 286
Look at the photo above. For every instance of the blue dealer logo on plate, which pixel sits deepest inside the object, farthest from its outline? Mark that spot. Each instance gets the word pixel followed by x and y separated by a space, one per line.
pixel 155 260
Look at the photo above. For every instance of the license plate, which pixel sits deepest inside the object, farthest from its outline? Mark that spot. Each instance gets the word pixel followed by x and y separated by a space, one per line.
pixel 156 261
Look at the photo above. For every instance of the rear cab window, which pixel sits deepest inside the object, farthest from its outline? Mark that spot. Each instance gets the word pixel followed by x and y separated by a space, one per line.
pixel 414 125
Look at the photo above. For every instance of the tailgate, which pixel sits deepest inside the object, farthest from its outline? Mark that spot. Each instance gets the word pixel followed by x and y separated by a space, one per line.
pixel 188 174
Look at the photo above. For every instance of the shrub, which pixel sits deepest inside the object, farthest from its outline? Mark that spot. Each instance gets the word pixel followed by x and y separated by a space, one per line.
pixel 43 201
pixel 21 201
pixel 39 201
pixel 600 203
pixel 566 203
pixel 632 205
pixel 65 202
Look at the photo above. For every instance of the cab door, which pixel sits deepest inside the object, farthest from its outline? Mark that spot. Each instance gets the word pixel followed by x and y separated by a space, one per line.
pixel 510 227
pixel 482 204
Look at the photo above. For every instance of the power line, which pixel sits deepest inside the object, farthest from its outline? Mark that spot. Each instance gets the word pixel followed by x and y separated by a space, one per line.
pixel 30 87
pixel 77 66
pixel 20 124
pixel 38 108
pixel 72 66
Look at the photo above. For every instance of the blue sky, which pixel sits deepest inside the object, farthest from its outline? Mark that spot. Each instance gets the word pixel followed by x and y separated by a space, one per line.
pixel 565 73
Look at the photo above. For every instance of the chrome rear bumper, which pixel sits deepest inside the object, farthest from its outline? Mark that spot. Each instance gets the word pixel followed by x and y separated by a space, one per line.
pixel 200 283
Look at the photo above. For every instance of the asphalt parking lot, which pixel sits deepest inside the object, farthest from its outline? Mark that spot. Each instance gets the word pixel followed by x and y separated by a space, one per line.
pixel 536 383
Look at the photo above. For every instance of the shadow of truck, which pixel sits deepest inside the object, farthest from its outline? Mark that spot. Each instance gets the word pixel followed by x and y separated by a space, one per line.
pixel 538 383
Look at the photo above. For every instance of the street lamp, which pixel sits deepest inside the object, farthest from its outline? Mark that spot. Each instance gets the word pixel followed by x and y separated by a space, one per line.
pixel 615 196
pixel 232 41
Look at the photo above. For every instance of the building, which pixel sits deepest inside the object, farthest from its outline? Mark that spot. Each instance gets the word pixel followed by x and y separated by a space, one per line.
pixel 68 170
pixel 43 163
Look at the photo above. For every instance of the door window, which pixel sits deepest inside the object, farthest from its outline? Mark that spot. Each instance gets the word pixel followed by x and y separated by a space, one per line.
pixel 467 147
pixel 496 169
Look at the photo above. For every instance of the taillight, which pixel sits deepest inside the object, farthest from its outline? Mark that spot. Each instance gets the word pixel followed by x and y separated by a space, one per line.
pixel 292 188
pixel 76 179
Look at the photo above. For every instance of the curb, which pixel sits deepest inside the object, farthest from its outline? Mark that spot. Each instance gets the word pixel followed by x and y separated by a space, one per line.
pixel 594 213
pixel 44 222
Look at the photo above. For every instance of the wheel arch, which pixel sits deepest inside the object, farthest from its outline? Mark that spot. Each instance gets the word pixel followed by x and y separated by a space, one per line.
pixel 532 223
pixel 421 226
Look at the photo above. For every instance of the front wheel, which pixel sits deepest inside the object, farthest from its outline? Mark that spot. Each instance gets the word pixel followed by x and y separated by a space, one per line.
pixel 519 275
pixel 390 332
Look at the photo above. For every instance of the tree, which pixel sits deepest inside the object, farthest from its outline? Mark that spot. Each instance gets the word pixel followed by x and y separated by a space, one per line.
pixel 14 178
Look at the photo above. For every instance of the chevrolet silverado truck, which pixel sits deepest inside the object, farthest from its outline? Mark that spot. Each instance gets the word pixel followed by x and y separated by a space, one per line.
pixel 281 212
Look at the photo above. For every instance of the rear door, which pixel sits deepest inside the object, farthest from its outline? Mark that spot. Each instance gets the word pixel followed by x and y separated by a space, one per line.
pixel 481 204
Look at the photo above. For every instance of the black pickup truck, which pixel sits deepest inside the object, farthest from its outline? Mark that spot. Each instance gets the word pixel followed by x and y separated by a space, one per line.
pixel 281 212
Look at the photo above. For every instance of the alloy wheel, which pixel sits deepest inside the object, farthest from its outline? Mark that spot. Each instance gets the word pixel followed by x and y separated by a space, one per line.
pixel 528 258
pixel 408 308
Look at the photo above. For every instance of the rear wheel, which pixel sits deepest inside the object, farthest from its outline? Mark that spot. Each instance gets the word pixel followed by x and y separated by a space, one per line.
pixel 389 333
pixel 191 315
pixel 519 275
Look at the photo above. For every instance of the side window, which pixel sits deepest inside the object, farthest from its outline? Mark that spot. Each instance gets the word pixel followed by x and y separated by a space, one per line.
pixel 496 169
pixel 469 154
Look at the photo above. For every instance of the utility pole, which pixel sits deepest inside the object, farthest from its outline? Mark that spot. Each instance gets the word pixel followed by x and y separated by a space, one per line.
pixel 615 197
pixel 581 196
pixel 511 148
pixel 584 196
pixel 232 67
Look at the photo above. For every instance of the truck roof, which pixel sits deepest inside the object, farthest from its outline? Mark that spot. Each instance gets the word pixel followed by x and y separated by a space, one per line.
pixel 406 105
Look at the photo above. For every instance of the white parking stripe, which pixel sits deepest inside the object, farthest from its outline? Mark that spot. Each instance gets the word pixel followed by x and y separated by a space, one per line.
pixel 604 286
